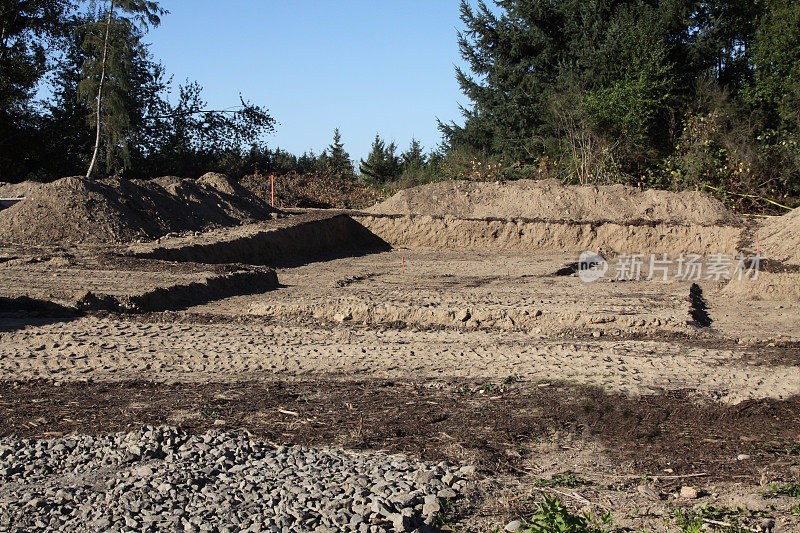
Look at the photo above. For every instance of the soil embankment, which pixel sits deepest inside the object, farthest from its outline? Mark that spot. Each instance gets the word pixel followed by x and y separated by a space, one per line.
pixel 551 200
pixel 76 210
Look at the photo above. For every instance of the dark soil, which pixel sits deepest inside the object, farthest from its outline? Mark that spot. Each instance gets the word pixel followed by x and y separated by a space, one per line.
pixel 491 425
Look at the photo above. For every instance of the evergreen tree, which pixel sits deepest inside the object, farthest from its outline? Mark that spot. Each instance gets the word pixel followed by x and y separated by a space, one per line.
pixel 620 54
pixel 308 162
pixel 28 28
pixel 776 88
pixel 414 158
pixel 382 163
pixel 335 159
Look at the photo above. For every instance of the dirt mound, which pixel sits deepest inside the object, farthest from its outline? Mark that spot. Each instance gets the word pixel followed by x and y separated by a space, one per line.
pixel 288 241
pixel 775 286
pixel 19 190
pixel 75 210
pixel 447 232
pixel 315 189
pixel 780 238
pixel 551 200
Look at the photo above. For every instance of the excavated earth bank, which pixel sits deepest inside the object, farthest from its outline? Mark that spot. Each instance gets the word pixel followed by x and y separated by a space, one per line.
pixel 297 239
pixel 414 231
pixel 780 237
pixel 551 200
pixel 77 210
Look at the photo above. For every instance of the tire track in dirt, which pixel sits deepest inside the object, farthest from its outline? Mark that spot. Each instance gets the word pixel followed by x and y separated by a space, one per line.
pixel 115 349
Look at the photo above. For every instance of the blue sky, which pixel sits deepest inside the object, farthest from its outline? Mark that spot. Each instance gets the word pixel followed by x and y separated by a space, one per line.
pixel 380 66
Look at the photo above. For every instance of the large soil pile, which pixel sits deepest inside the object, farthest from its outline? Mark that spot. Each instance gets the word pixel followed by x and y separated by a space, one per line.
pixel 315 189
pixel 551 200
pixel 74 210
pixel 18 190
pixel 780 238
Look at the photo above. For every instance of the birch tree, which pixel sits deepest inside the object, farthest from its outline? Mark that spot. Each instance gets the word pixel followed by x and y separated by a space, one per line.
pixel 109 47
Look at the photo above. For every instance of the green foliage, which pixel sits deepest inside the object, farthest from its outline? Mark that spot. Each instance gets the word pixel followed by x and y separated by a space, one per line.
pixel 335 159
pixel 413 158
pixel 784 489
pixel 382 162
pixel 115 66
pixel 142 133
pixel 28 29
pixel 776 90
pixel 795 509
pixel 566 479
pixel 631 108
pixel 694 520
pixel 684 93
pixel 620 54
pixel 551 516
pixel 111 40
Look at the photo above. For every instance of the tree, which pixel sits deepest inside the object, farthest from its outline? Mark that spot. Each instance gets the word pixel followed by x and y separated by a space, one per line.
pixel 308 162
pixel 413 158
pixel 382 163
pixel 28 28
pixel 335 159
pixel 110 47
pixel 777 64
pixel 624 53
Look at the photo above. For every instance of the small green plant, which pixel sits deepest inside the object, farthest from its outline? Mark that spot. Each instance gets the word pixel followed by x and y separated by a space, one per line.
pixel 490 387
pixel 447 515
pixel 785 489
pixel 566 479
pixel 209 413
pixel 782 448
pixel 551 516
pixel 508 380
pixel 694 520
pixel 795 509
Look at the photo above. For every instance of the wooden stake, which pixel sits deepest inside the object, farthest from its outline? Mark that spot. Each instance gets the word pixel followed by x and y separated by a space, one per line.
pixel 272 188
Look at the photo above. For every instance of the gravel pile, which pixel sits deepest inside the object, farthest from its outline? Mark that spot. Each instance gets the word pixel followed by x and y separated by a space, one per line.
pixel 160 479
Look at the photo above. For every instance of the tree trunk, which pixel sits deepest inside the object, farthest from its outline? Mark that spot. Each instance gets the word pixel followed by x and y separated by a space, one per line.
pixel 100 90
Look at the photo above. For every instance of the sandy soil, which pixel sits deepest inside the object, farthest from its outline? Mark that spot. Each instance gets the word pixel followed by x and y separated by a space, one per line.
pixel 781 237
pixel 472 339
pixel 449 315
pixel 551 200
pixel 78 210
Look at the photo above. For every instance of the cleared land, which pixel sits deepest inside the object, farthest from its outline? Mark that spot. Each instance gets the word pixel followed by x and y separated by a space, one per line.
pixel 444 335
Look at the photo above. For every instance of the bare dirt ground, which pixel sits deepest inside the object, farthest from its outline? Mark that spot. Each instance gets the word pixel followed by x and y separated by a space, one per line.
pixel 608 395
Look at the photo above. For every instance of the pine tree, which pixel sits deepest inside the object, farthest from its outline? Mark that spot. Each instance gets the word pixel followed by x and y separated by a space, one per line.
pixel 382 163
pixel 414 158
pixel 335 159
pixel 633 55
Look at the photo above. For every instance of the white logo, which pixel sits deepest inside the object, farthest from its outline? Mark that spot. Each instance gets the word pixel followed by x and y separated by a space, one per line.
pixel 591 266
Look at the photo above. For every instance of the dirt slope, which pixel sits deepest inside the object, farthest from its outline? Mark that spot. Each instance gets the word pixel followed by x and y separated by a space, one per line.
pixel 73 210
pixel 549 199
pixel 18 190
pixel 780 238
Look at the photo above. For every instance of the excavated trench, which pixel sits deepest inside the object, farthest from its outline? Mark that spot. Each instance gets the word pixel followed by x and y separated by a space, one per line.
pixel 311 238
pixel 179 296
pixel 319 236
pixel 414 231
